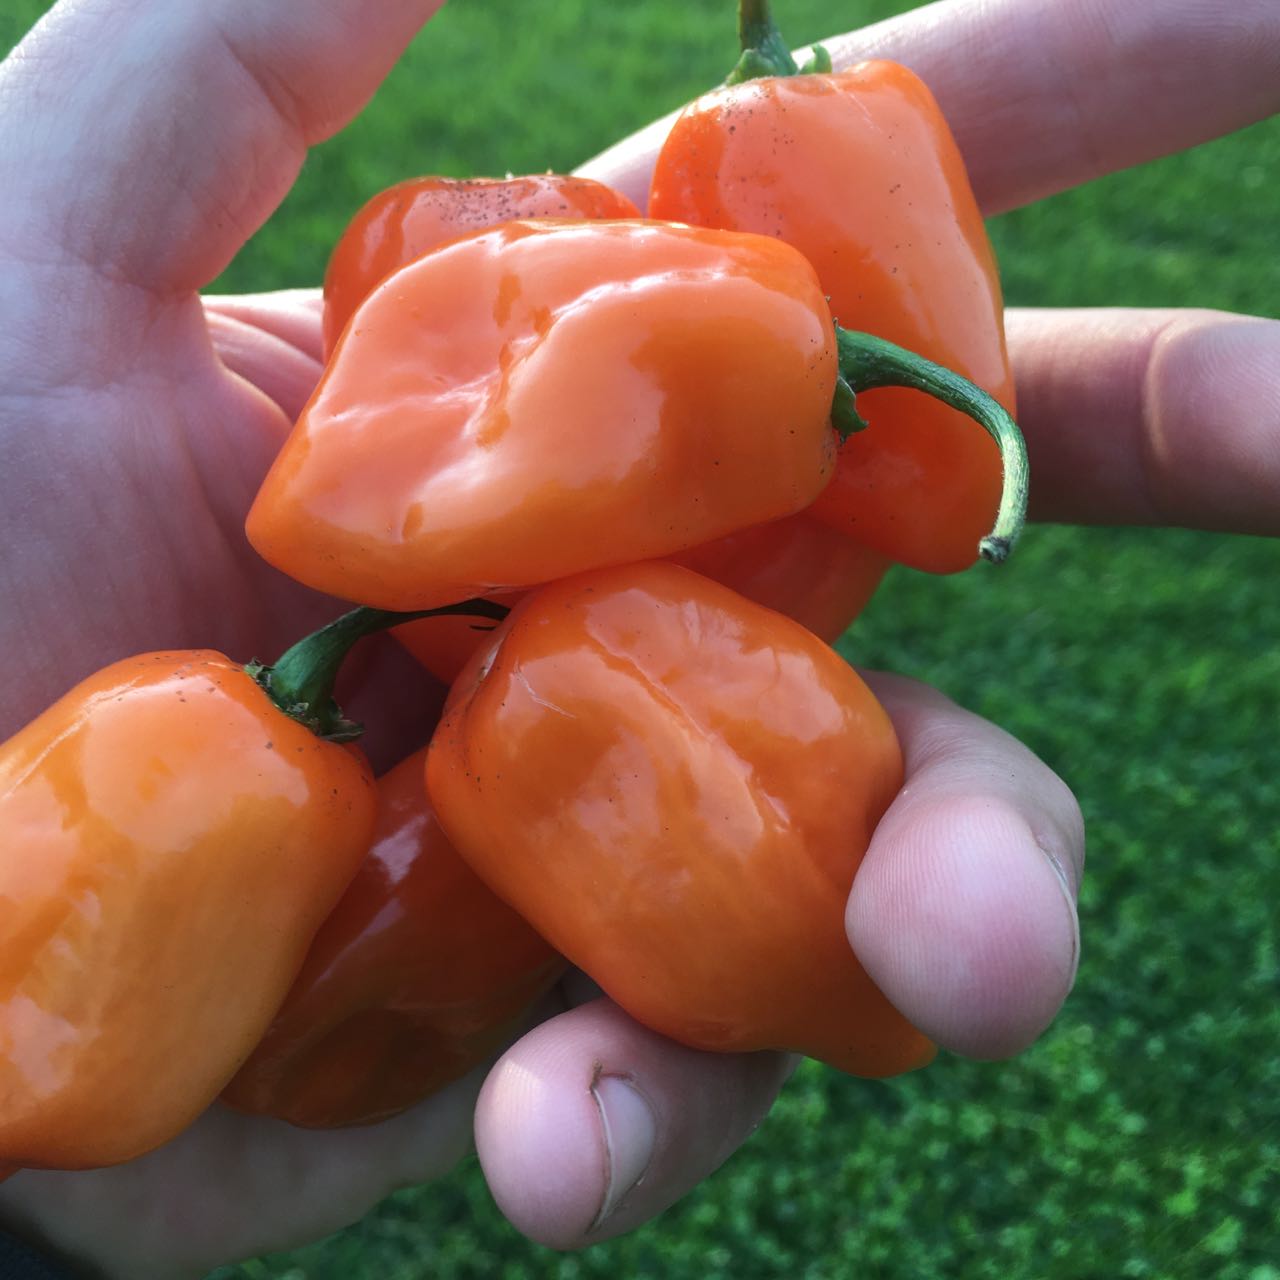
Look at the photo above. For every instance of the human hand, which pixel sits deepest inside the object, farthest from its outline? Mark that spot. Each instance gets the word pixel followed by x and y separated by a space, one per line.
pixel 132 447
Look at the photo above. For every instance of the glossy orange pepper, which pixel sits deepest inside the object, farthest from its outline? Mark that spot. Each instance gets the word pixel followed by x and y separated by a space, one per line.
pixel 547 397
pixel 172 842
pixel 859 171
pixel 675 787
pixel 418 975
pixel 404 221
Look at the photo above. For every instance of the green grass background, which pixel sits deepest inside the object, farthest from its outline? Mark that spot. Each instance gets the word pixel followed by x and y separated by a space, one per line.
pixel 1140 1137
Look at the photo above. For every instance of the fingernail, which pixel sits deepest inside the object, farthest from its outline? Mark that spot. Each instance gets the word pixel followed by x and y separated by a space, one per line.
pixel 1068 894
pixel 630 1131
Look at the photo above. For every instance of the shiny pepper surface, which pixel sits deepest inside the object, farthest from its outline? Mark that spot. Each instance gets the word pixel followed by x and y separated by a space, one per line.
pixel 173 841
pixel 858 170
pixel 404 221
pixel 418 976
pixel 548 397
pixel 675 787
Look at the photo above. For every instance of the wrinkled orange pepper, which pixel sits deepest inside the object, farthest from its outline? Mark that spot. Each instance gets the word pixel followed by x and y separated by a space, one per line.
pixel 178 826
pixel 419 974
pixel 546 397
pixel 173 841
pixel 675 787
pixel 859 171
pixel 404 221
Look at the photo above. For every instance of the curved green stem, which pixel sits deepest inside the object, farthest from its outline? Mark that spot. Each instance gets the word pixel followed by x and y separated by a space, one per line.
pixel 301 682
pixel 764 51
pixel 867 362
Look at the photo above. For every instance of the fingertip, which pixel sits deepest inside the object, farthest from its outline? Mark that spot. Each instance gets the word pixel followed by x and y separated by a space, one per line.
pixel 538 1139
pixel 967 924
pixel 1212 388
pixel 592 1124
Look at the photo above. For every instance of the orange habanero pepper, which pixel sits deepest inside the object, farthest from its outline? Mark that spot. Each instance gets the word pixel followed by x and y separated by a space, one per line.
pixel 418 975
pixel 173 842
pixel 859 171
pixel 404 221
pixel 546 397
pixel 177 827
pixel 675 787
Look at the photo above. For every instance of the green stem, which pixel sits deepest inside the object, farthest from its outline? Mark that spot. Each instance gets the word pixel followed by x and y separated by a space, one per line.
pixel 867 362
pixel 764 51
pixel 301 682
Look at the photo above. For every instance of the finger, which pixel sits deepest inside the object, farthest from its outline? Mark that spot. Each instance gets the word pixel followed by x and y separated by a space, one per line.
pixel 1151 417
pixel 292 315
pixel 283 373
pixel 964 908
pixel 273 342
pixel 591 1124
pixel 1045 94
pixel 180 125
pixel 627 166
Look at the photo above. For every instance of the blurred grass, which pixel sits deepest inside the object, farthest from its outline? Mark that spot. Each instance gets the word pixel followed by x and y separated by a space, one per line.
pixel 1141 1137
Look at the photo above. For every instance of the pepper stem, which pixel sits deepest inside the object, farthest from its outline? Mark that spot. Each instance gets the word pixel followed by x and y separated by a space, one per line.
pixel 867 362
pixel 301 681
pixel 764 51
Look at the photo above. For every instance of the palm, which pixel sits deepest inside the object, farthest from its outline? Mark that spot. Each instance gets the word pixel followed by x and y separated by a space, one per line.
pixel 233 1186
pixel 158 473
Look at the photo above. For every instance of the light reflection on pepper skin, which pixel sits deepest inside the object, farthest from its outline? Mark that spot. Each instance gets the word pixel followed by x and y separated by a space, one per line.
pixel 418 975
pixel 859 171
pixel 676 787
pixel 173 841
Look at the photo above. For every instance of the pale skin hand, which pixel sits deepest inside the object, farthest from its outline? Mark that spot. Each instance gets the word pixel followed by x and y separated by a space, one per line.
pixel 135 425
